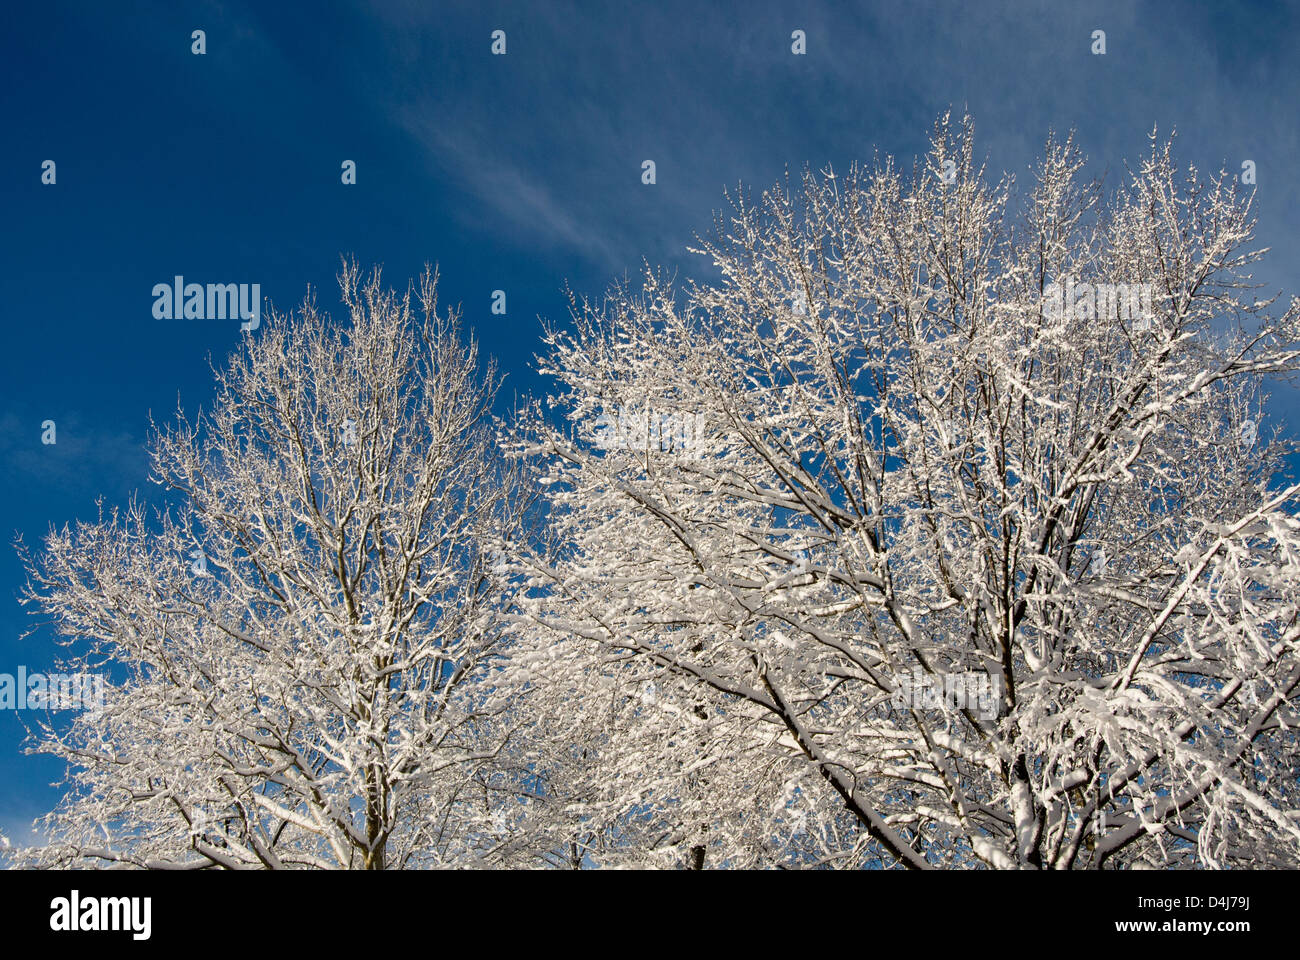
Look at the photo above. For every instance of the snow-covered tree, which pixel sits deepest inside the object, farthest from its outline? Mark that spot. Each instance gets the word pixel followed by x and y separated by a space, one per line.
pixel 978 553
pixel 300 640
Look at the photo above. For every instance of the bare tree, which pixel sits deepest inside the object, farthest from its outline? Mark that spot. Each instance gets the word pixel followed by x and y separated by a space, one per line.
pixel 301 639
pixel 950 531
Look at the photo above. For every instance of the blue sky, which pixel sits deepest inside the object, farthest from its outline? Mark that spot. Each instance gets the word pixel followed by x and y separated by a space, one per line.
pixel 519 173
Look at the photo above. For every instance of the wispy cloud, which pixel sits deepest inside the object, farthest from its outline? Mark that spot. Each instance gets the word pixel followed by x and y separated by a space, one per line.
pixel 551 145
pixel 512 192
pixel 84 459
